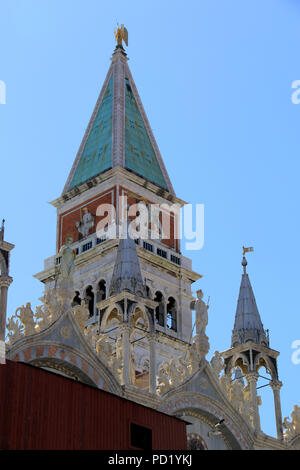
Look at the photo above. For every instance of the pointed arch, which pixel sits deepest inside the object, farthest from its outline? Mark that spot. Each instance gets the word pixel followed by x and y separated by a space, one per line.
pixel 109 313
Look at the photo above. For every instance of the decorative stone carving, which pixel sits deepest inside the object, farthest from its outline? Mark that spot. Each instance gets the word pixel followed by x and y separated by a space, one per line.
pixel 53 305
pixel 296 418
pixel 183 369
pixel 15 330
pixel 240 397
pixel 163 380
pixel 104 348
pixel 91 334
pixel 193 358
pixel 292 428
pixel 224 382
pixel 217 363
pixel 25 323
pixel 43 317
pixel 87 222
pixel 81 313
pixel 26 317
pixel 116 361
pixel 176 372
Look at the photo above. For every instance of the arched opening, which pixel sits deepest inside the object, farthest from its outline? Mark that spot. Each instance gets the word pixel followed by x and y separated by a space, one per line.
pixel 101 293
pixel 160 309
pixel 172 314
pixel 148 292
pixel 89 298
pixel 101 290
pixel 76 299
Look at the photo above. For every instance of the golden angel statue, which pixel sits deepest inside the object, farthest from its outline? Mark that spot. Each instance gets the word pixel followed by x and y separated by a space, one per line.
pixel 121 34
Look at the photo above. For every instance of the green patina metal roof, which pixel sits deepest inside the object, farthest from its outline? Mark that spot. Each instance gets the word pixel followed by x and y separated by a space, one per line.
pixel 140 157
pixel 97 153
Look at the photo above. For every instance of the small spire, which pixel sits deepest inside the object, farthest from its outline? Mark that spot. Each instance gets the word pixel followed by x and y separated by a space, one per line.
pixel 127 272
pixel 248 325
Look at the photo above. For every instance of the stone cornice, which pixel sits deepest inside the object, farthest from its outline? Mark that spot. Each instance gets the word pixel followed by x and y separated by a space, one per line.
pixel 116 175
pixel 250 345
pixel 5 246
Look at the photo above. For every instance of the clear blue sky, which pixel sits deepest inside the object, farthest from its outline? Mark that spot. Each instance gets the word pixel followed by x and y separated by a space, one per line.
pixel 215 78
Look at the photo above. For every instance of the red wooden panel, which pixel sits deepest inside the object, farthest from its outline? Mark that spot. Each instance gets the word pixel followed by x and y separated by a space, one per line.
pixel 42 410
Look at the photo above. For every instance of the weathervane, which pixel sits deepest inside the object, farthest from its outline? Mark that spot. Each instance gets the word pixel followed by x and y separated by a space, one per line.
pixel 121 34
pixel 246 250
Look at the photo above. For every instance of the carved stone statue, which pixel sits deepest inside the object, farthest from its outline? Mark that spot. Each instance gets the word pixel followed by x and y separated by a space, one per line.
pixel 26 317
pixel 217 363
pixel 87 222
pixel 67 262
pixel 173 373
pixel 290 431
pixel 296 419
pixel 201 313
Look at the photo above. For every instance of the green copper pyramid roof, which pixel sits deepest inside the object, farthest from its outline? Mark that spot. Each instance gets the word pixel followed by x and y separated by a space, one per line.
pixel 119 133
pixel 139 153
pixel 97 154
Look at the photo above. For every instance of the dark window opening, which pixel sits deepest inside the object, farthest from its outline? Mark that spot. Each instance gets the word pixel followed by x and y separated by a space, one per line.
pixel 160 309
pixel 101 292
pixel 140 437
pixel 89 298
pixel 148 246
pixel 76 299
pixel 162 253
pixel 172 314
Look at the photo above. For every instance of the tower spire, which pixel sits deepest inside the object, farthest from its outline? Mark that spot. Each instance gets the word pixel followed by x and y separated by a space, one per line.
pixel 247 325
pixel 250 349
pixel 119 133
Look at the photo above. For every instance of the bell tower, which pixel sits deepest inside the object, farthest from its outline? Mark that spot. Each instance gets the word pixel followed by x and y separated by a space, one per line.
pixel 5 281
pixel 119 173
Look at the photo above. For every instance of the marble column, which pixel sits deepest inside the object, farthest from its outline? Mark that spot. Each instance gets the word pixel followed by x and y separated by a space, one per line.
pixel 125 329
pixel 5 282
pixel 252 381
pixel 276 386
pixel 152 362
